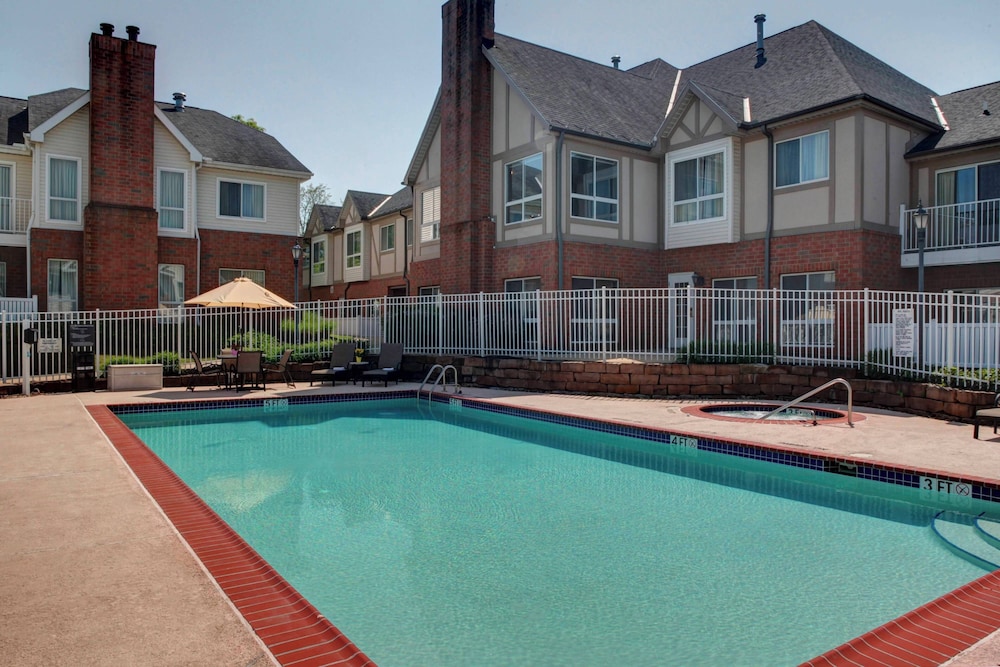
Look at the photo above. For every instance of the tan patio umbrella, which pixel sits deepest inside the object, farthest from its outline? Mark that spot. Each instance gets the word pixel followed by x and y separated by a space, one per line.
pixel 239 293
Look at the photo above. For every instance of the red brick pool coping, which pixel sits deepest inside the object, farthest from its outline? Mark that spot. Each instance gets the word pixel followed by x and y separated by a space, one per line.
pixel 297 634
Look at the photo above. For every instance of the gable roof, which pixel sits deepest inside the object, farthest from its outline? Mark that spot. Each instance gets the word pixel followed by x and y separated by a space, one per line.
pixel 967 124
pixel 46 105
pixel 324 217
pixel 223 139
pixel 13 120
pixel 809 67
pixel 400 200
pixel 364 202
pixel 584 97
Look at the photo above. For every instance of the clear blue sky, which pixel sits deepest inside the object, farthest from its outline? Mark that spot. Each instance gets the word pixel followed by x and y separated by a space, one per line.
pixel 347 85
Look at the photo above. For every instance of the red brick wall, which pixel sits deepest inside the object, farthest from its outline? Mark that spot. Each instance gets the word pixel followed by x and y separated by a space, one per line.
pixel 16 264
pixel 119 269
pixel 242 250
pixel 466 117
pixel 51 244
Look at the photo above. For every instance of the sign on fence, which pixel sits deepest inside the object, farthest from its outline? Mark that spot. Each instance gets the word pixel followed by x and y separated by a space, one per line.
pixel 82 335
pixel 50 345
pixel 903 330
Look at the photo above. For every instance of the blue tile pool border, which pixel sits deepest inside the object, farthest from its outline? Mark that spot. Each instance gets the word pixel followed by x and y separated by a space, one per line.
pixel 977 489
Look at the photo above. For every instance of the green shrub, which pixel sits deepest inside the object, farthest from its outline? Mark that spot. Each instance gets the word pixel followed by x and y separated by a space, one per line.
pixel 727 352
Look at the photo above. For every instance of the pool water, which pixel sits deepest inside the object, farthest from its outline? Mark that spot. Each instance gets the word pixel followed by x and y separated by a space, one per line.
pixel 435 536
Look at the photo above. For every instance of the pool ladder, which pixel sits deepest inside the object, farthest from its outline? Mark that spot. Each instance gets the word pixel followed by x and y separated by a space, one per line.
pixel 441 378
pixel 850 400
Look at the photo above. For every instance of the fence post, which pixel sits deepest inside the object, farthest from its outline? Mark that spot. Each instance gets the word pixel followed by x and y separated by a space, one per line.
pixel 776 328
pixel 481 308
pixel 25 360
pixel 601 322
pixel 97 341
pixel 3 346
pixel 865 323
pixel 950 328
pixel 538 331
pixel 440 302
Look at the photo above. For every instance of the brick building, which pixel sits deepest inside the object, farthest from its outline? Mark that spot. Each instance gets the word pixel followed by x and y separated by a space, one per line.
pixel 111 200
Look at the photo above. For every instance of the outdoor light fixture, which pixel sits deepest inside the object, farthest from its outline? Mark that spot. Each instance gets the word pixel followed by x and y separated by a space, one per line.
pixel 920 218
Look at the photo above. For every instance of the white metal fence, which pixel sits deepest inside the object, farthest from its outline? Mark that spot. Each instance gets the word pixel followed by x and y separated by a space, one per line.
pixel 949 337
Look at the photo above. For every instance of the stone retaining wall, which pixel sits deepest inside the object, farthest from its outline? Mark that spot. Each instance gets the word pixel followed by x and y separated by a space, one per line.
pixel 631 378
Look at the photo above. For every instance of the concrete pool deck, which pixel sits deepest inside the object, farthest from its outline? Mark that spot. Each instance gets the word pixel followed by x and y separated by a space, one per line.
pixel 94 574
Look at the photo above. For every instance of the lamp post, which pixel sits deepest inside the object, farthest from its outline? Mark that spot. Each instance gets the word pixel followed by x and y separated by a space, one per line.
pixel 920 217
pixel 296 256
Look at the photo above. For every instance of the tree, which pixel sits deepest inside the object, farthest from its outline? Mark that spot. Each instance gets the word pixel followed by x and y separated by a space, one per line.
pixel 309 196
pixel 249 122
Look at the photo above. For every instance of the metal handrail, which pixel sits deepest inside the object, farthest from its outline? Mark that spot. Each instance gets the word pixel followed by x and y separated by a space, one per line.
pixel 440 378
pixel 850 400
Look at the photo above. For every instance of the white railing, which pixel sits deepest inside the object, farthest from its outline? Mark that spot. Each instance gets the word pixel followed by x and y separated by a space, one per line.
pixel 15 306
pixel 954 226
pixel 938 336
pixel 14 215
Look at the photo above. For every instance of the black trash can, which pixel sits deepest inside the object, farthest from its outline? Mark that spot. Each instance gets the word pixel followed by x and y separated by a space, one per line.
pixel 83 371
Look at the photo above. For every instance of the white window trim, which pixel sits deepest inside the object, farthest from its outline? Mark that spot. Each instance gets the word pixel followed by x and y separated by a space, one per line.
pixel 48 295
pixel 318 268
pixel 594 198
pixel 381 237
pixel 724 146
pixel 800 181
pixel 361 249
pixel 218 198
pixel 12 207
pixel 183 281
pixel 433 225
pixel 507 203
pixel 170 231
pixel 79 190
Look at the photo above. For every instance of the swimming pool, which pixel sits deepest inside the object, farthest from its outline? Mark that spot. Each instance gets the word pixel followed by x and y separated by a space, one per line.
pixel 591 549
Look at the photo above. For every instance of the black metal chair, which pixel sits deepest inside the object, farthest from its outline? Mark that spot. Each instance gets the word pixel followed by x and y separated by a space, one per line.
pixel 201 369
pixel 250 370
pixel 390 358
pixel 282 367
pixel 986 415
pixel 340 364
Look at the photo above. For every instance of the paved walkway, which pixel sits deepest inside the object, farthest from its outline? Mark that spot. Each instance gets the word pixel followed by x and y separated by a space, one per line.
pixel 91 572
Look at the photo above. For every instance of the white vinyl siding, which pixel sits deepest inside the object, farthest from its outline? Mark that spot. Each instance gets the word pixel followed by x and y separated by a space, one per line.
pixel 700 211
pixel 68 140
pixel 430 218
pixel 281 202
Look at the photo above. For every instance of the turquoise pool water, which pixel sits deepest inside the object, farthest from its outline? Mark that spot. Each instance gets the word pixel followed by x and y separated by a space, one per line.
pixel 434 536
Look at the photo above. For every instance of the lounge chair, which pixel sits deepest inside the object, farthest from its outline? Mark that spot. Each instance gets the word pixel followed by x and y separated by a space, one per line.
pixel 390 358
pixel 340 363
pixel 202 369
pixel 282 367
pixel 988 414
pixel 250 370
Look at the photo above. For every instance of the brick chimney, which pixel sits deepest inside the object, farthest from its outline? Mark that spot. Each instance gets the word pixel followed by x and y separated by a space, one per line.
pixel 467 233
pixel 119 267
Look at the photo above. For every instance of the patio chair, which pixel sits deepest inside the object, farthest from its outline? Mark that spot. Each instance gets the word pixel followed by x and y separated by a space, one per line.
pixel 282 367
pixel 988 414
pixel 390 358
pixel 202 369
pixel 340 363
pixel 250 370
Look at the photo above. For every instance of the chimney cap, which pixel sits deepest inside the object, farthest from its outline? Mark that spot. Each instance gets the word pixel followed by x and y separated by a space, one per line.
pixel 133 32
pixel 107 29
pixel 615 60
pixel 760 18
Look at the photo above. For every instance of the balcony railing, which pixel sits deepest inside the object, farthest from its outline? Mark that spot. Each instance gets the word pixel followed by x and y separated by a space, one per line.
pixel 954 226
pixel 14 215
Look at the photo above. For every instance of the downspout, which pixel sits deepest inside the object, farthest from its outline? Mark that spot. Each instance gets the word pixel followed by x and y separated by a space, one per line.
pixel 406 245
pixel 559 206
pixel 770 207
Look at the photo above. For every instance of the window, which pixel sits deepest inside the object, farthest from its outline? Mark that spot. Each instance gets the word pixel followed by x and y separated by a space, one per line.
pixel 595 319
pixel 808 310
pixel 62 285
pixel 171 199
pixel 521 327
pixel 241 200
pixel 387 237
pixel 698 185
pixel 594 189
pixel 318 257
pixel 970 216
pixel 429 293
pixel 64 189
pixel 3 278
pixel 6 198
pixel 734 315
pixel 523 187
pixel 229 275
pixel 352 249
pixel 430 219
pixel 171 289
pixel 522 285
pixel 802 160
